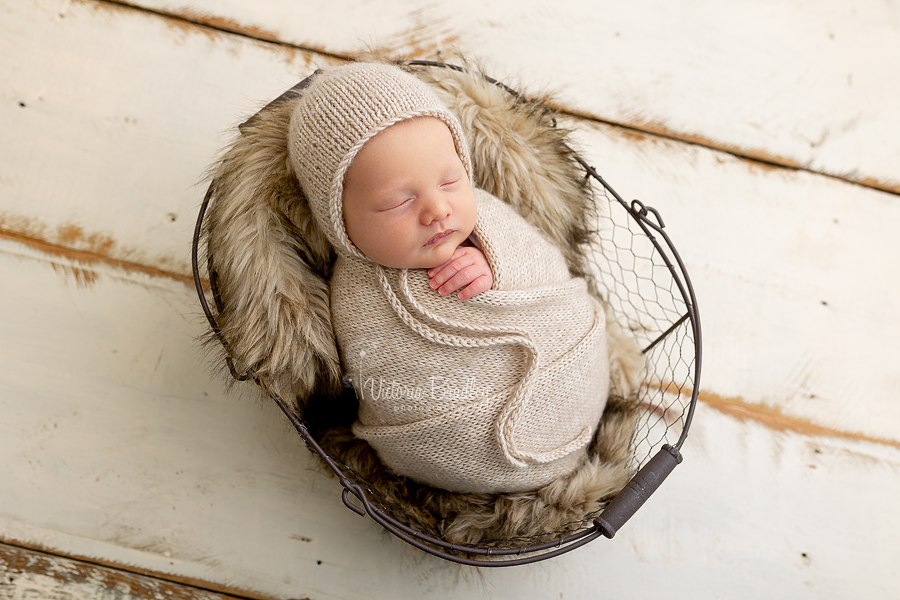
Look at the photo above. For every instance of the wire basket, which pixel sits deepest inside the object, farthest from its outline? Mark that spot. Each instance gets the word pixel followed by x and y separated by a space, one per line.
pixel 644 282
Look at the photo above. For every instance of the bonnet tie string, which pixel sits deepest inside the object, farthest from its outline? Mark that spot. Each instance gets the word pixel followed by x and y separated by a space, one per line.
pixel 514 409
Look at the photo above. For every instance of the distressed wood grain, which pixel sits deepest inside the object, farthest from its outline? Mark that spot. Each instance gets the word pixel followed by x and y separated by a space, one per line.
pixel 30 574
pixel 110 119
pixel 118 448
pixel 797 83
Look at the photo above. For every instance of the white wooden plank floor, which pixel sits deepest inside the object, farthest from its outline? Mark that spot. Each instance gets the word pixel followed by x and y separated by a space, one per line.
pixel 794 82
pixel 797 308
pixel 111 116
pixel 118 446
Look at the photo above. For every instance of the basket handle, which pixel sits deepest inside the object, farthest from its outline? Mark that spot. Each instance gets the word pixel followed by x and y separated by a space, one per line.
pixel 638 490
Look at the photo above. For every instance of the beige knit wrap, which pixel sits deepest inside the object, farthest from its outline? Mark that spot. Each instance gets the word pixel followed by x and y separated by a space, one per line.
pixel 501 392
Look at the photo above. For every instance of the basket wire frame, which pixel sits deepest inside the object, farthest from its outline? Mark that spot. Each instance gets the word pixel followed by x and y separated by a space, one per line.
pixel 642 278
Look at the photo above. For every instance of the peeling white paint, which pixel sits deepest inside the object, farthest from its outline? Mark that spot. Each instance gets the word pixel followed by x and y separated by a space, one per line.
pixel 105 143
pixel 25 574
pixel 808 82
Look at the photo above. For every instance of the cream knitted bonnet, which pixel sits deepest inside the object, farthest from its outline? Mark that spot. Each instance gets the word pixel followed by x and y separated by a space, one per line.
pixel 338 113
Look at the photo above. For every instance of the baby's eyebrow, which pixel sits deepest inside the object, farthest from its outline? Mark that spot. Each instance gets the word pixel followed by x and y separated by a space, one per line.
pixel 384 190
pixel 453 170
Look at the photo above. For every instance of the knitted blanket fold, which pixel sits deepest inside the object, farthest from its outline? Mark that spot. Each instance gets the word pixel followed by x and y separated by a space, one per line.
pixel 499 393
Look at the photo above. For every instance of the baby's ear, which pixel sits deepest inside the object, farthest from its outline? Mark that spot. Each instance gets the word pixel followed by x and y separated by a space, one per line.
pixel 271 263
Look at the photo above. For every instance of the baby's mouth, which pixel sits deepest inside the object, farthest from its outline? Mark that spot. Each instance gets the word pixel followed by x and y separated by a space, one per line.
pixel 439 237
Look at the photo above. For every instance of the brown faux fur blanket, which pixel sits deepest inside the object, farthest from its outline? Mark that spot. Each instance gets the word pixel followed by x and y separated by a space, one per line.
pixel 272 267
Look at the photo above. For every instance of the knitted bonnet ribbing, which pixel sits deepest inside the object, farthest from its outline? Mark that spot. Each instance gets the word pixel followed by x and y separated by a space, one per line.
pixel 339 112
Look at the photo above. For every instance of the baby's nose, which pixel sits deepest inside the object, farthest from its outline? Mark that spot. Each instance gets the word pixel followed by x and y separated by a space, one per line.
pixel 436 209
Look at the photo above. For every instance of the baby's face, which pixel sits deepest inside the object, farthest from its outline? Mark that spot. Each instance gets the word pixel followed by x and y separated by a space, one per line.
pixel 408 202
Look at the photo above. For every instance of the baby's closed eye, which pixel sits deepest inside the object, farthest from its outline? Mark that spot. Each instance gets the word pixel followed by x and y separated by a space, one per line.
pixel 397 203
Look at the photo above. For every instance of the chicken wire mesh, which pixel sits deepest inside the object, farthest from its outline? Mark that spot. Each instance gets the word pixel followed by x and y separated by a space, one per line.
pixel 642 279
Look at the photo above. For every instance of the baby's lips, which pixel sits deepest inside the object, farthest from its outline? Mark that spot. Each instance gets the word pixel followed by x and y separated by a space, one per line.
pixel 440 236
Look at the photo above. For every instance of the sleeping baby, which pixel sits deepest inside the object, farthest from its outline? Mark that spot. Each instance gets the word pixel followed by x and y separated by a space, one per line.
pixel 479 361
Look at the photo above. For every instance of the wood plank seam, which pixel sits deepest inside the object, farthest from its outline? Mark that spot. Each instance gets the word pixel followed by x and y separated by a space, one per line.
pixel 88 258
pixel 222 591
pixel 773 418
pixel 650 128
pixel 36 560
pixel 762 159
pixel 219 24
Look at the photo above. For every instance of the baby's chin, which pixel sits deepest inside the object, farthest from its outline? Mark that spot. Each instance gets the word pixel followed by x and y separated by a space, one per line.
pixel 429 258
pixel 425 262
pixel 440 256
pixel 430 264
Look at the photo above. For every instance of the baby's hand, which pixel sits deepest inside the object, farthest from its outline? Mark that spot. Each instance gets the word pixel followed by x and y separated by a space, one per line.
pixel 466 271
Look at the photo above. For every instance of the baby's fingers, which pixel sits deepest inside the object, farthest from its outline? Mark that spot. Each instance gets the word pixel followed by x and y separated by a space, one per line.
pixel 482 283
pixel 443 273
pixel 471 280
